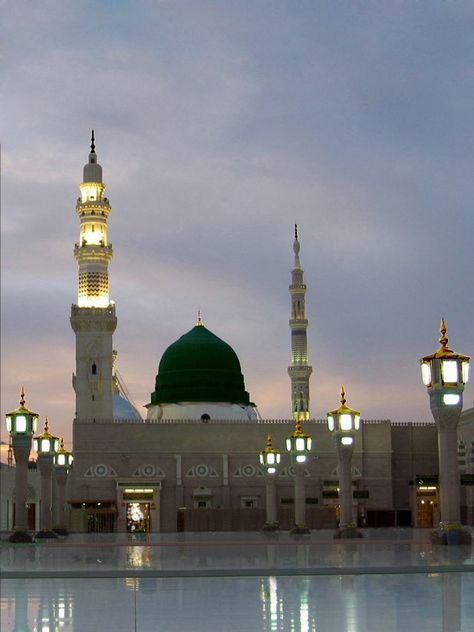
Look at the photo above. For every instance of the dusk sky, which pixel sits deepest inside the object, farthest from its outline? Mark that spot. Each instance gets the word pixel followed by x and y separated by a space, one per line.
pixel 220 124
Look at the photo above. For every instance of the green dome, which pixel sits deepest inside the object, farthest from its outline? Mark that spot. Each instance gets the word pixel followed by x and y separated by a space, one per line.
pixel 199 367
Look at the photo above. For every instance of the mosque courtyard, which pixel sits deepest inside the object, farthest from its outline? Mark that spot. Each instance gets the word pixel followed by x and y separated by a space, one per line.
pixel 391 580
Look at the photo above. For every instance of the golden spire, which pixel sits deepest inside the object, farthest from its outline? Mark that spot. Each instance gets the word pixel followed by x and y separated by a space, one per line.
pixel 46 429
pixel 22 397
pixel 269 445
pixel 444 339
pixel 343 396
pixel 199 322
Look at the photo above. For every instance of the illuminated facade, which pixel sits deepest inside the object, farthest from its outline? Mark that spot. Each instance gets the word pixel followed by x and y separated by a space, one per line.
pixel 93 316
pixel 299 370
pixel 193 463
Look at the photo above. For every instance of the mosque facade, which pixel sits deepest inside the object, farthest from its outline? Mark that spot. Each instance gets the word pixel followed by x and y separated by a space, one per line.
pixel 192 463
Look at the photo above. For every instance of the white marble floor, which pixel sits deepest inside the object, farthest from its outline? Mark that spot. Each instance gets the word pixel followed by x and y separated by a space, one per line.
pixel 236 582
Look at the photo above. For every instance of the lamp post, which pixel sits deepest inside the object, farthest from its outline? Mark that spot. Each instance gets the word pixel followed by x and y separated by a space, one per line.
pixel 270 459
pixel 445 373
pixel 21 425
pixel 46 445
pixel 343 423
pixel 298 445
pixel 62 464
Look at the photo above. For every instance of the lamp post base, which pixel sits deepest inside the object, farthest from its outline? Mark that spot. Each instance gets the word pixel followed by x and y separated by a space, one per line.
pixel 300 529
pixel 46 534
pixel 348 532
pixel 450 533
pixel 270 527
pixel 20 536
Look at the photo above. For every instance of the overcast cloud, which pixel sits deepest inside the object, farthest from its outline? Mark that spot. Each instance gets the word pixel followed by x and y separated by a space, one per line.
pixel 218 126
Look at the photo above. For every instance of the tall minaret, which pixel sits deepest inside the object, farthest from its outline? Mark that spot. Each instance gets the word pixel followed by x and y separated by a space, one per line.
pixel 299 370
pixel 93 317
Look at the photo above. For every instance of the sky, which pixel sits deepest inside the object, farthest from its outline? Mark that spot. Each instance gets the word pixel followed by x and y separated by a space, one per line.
pixel 219 125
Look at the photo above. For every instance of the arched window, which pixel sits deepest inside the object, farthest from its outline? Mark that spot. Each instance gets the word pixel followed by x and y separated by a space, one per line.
pixel 94 368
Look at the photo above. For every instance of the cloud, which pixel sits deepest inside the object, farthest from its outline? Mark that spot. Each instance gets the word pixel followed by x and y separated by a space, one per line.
pixel 220 125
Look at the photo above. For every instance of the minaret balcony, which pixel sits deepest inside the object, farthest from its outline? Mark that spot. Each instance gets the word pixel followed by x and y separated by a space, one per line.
pixel 298 323
pixel 93 252
pixel 93 207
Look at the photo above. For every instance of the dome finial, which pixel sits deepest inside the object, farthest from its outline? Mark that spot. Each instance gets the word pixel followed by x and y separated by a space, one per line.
pixel 269 445
pixel 444 339
pixel 296 247
pixel 92 143
pixel 46 423
pixel 343 396
pixel 199 322
pixel 22 397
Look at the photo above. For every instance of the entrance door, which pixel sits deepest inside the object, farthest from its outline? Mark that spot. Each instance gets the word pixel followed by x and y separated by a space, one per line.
pixel 425 512
pixel 138 517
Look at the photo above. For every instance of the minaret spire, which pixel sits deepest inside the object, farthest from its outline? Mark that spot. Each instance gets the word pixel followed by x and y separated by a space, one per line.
pixel 93 317
pixel 299 370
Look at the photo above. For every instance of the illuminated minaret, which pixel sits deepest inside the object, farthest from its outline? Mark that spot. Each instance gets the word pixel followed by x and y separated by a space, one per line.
pixel 93 317
pixel 299 370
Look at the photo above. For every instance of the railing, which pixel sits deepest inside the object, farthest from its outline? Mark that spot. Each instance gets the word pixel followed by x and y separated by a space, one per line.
pixel 253 422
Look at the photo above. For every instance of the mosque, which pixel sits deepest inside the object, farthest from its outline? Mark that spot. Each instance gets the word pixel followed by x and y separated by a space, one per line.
pixel 192 464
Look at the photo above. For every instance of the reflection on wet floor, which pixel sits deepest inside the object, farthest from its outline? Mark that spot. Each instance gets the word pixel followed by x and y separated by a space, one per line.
pixel 416 586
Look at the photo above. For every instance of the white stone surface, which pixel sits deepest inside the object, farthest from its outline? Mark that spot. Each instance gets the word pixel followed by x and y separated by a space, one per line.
pixel 398 581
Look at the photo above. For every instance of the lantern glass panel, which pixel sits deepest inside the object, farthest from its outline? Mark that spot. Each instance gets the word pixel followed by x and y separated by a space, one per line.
pixel 61 460
pixel 426 373
pixel 8 419
pixel 330 423
pixel 260 457
pixel 270 458
pixel 347 440
pixel 465 372
pixel 278 456
pixel 20 423
pixel 356 422
pixel 271 470
pixel 449 369
pixel 55 443
pixel 345 421
pixel 301 458
pixel 300 444
pixel 34 423
pixel 35 445
pixel 288 444
pixel 308 443
pixel 45 443
pixel 451 399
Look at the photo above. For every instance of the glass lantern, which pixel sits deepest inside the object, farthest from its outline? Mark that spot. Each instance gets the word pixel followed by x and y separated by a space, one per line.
pixel 445 372
pixel 63 458
pixel 21 422
pixel 269 457
pixel 344 422
pixel 298 444
pixel 46 444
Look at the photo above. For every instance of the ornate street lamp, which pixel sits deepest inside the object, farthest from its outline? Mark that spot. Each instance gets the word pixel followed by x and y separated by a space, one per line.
pixel 46 445
pixel 270 460
pixel 445 373
pixel 343 423
pixel 298 445
pixel 62 464
pixel 21 425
